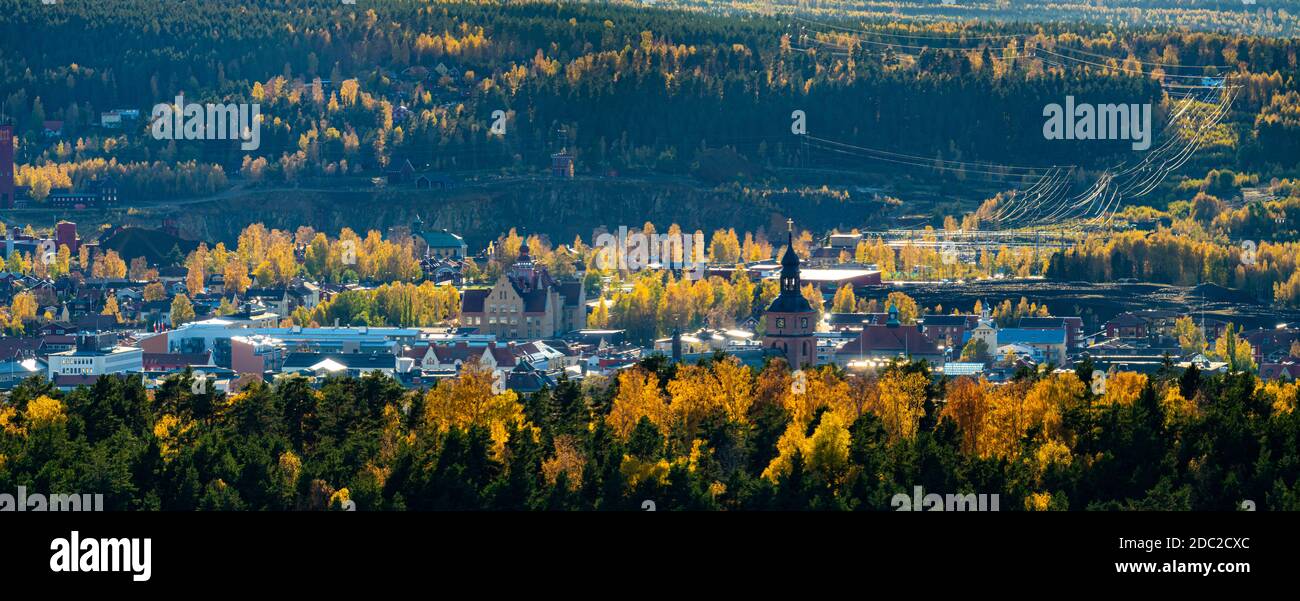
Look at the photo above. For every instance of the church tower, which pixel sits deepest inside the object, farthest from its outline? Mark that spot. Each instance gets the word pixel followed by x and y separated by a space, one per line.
pixel 790 319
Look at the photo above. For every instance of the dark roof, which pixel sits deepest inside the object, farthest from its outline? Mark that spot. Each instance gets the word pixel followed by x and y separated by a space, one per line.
pixel 149 360
pixel 471 301
pixel 400 165
pixel 1265 340
pixel 296 361
pixel 58 326
pixel 1125 319
pixel 948 320
pixel 855 319
pixel 1273 371
pixel 1023 336
pixel 790 258
pixel 11 348
pixel 1043 322
pixel 528 380
pixel 900 339
pixel 571 291
pixel 789 303
pixel 534 300
pixel 451 353
pixel 70 380
pixel 502 355
pixel 562 346
pixel 442 239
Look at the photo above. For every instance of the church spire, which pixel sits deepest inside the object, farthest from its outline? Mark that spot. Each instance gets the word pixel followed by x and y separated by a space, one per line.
pixel 790 264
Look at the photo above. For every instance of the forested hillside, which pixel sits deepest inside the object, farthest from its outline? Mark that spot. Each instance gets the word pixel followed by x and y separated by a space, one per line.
pixel 627 88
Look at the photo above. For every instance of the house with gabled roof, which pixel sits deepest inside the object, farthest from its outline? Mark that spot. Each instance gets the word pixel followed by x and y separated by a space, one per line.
pixel 525 302
pixel 880 344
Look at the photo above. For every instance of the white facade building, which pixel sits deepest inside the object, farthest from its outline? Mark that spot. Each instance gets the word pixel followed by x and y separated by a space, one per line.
pixel 114 360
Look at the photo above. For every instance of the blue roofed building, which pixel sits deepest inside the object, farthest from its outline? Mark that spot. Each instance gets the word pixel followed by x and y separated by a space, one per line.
pixel 1044 345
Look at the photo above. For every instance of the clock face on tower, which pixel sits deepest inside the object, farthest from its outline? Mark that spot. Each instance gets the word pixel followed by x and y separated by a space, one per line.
pixel 780 322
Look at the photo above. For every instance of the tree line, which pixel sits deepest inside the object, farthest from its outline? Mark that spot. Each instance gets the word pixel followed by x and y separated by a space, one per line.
pixel 715 435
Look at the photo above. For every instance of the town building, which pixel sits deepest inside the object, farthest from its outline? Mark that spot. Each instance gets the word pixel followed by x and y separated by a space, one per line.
pixel 950 331
pixel 96 354
pixel 853 322
pixel 116 118
pixel 248 349
pixel 526 302
pixel 790 320
pixel 562 164
pixel 1072 326
pixel 1044 346
pixel 879 345
pixel 96 194
pixel 439 243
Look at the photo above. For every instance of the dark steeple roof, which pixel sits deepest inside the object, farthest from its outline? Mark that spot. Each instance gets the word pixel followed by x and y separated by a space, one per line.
pixel 790 260
pixel 523 251
pixel 791 299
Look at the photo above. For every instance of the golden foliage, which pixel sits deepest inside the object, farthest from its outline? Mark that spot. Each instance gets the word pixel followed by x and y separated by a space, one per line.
pixel 638 396
pixel 467 400
pixel 289 468
pixel 828 448
pixel 1176 407
pixel 1013 411
pixel 826 452
pixel 698 391
pixel 168 430
pixel 736 383
pixel 1051 452
pixel 968 406
pixel 568 460
pixel 7 422
pixel 1039 501
pixel 392 437
pixel 900 402
pixel 1122 388
pixel 636 471
pixel 699 449
pixel 340 498
pixel 1283 394
pixel 792 441
pixel 45 411
pixel 823 389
